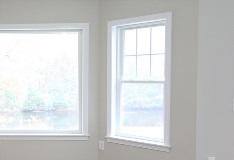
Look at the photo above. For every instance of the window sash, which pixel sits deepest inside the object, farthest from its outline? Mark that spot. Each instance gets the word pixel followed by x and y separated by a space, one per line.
pixel 40 32
pixel 119 107
pixel 82 30
pixel 120 70
pixel 120 48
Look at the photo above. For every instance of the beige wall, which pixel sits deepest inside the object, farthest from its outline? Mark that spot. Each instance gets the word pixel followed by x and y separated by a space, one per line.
pixel 57 11
pixel 215 116
pixel 213 92
pixel 184 70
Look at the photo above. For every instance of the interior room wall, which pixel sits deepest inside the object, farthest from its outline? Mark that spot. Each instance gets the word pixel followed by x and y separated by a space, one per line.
pixel 184 70
pixel 215 90
pixel 57 11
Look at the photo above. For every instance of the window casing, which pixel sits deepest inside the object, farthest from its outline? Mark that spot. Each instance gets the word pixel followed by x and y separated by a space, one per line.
pixel 48 81
pixel 139 81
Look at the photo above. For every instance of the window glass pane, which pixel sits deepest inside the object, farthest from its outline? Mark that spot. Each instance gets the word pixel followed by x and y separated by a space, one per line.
pixel 129 67
pixel 158 40
pixel 143 67
pixel 130 42
pixel 157 67
pixel 143 41
pixel 39 81
pixel 142 110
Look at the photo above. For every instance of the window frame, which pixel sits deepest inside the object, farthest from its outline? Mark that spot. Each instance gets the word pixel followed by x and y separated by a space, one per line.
pixel 112 82
pixel 83 82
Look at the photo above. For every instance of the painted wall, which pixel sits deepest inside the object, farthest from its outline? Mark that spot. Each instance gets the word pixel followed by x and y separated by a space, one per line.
pixel 213 93
pixel 57 11
pixel 184 70
pixel 215 115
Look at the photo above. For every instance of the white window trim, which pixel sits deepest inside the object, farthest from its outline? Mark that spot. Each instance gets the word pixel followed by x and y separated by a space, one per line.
pixel 138 143
pixel 84 135
pixel 111 82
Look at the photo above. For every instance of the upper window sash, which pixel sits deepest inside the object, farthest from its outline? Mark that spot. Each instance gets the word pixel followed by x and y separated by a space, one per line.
pixel 120 55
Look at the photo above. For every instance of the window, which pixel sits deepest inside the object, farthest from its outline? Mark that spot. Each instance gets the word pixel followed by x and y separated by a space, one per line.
pixel 139 81
pixel 43 81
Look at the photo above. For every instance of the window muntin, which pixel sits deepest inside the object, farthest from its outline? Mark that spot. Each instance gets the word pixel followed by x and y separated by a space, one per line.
pixel 143 46
pixel 42 72
pixel 139 82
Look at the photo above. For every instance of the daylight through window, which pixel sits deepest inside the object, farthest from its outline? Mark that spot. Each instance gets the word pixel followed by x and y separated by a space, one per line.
pixel 40 81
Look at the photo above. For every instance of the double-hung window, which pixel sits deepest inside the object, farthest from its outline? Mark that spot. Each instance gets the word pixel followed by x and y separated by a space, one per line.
pixel 43 81
pixel 139 81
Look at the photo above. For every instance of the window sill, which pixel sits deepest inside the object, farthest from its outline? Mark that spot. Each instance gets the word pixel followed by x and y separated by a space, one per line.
pixel 68 137
pixel 139 143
